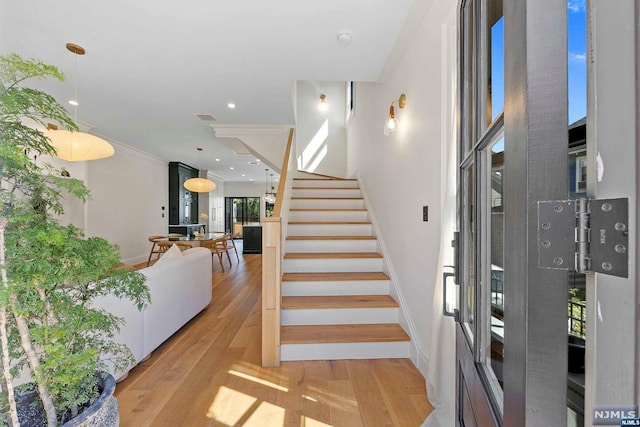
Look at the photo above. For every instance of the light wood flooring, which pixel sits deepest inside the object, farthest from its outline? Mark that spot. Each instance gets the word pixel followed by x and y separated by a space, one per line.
pixel 209 374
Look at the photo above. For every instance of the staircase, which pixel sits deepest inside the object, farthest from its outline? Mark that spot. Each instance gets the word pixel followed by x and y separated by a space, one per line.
pixel 335 295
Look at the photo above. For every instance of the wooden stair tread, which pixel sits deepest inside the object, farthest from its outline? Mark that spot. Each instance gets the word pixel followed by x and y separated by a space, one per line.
pixel 334 276
pixel 338 301
pixel 331 255
pixel 325 188
pixel 312 334
pixel 331 237
pixel 329 222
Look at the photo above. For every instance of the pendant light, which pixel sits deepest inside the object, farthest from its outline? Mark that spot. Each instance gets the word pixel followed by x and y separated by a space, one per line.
pixel 268 197
pixel 199 185
pixel 77 146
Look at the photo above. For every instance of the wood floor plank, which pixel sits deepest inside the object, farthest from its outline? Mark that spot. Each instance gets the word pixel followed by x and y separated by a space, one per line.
pixel 328 222
pixel 327 210
pixel 338 301
pixel 331 238
pixel 331 255
pixel 209 374
pixel 331 276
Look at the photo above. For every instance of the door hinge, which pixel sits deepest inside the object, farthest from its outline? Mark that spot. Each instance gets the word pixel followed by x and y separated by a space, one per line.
pixel 584 235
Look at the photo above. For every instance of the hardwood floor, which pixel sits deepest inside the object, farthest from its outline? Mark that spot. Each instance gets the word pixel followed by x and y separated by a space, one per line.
pixel 209 374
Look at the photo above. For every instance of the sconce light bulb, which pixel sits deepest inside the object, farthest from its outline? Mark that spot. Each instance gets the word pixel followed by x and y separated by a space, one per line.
pixel 391 124
pixel 323 102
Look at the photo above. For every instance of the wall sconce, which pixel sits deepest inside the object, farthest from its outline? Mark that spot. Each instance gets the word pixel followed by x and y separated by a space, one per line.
pixel 323 102
pixel 391 124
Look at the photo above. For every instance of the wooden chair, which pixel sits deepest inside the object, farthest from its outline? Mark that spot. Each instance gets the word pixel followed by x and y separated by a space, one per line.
pixel 218 248
pixel 164 245
pixel 231 244
pixel 154 247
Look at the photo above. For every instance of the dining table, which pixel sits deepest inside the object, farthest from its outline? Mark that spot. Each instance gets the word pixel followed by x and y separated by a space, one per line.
pixel 196 241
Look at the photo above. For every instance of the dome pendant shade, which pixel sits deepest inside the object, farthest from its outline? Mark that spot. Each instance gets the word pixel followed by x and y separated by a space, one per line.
pixel 78 146
pixel 199 185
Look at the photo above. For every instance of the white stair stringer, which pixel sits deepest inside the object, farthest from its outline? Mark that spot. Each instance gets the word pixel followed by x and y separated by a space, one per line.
pixel 327 254
pixel 339 351
pixel 330 245
pixel 326 288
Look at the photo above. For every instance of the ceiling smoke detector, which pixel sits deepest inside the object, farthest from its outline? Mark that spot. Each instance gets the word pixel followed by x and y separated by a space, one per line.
pixel 344 38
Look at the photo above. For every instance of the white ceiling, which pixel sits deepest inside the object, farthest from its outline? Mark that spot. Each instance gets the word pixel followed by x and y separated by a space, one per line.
pixel 152 65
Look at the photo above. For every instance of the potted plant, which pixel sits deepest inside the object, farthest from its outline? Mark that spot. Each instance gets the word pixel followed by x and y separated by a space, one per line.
pixel 50 273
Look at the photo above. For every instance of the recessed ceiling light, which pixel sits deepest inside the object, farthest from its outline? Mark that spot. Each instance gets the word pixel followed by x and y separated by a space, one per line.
pixel 73 102
pixel 217 160
pixel 231 105
pixel 344 38
pixel 244 175
pixel 231 167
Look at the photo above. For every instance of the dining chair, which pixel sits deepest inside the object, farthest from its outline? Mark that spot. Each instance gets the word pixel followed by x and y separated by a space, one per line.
pixel 155 249
pixel 229 243
pixel 164 245
pixel 218 248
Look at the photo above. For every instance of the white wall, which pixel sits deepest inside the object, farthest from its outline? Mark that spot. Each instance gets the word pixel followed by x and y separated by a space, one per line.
pixel 128 192
pixel 402 173
pixel 320 135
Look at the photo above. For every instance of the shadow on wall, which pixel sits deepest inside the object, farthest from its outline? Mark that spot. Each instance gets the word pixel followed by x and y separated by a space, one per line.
pixel 315 151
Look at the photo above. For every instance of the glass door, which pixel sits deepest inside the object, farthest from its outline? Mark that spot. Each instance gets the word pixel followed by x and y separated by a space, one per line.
pixel 240 211
pixel 512 152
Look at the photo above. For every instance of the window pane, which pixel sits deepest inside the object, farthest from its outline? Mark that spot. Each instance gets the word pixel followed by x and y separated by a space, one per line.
pixel 496 74
pixel 469 246
pixel 497 259
pixel 576 299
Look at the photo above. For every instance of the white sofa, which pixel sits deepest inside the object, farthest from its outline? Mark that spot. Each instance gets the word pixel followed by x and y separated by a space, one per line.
pixel 180 288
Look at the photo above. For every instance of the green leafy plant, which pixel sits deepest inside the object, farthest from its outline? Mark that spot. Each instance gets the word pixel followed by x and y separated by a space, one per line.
pixel 50 273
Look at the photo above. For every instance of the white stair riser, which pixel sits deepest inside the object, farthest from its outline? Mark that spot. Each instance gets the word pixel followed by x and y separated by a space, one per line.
pixel 342 316
pixel 324 183
pixel 329 229
pixel 331 245
pixel 337 351
pixel 327 204
pixel 319 192
pixel 347 287
pixel 331 265
pixel 328 216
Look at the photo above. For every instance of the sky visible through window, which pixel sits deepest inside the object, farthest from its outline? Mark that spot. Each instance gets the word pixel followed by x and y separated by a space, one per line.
pixel 577 62
pixel 577 26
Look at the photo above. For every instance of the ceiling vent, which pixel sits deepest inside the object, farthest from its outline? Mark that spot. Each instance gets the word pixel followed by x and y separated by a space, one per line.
pixel 254 163
pixel 206 117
